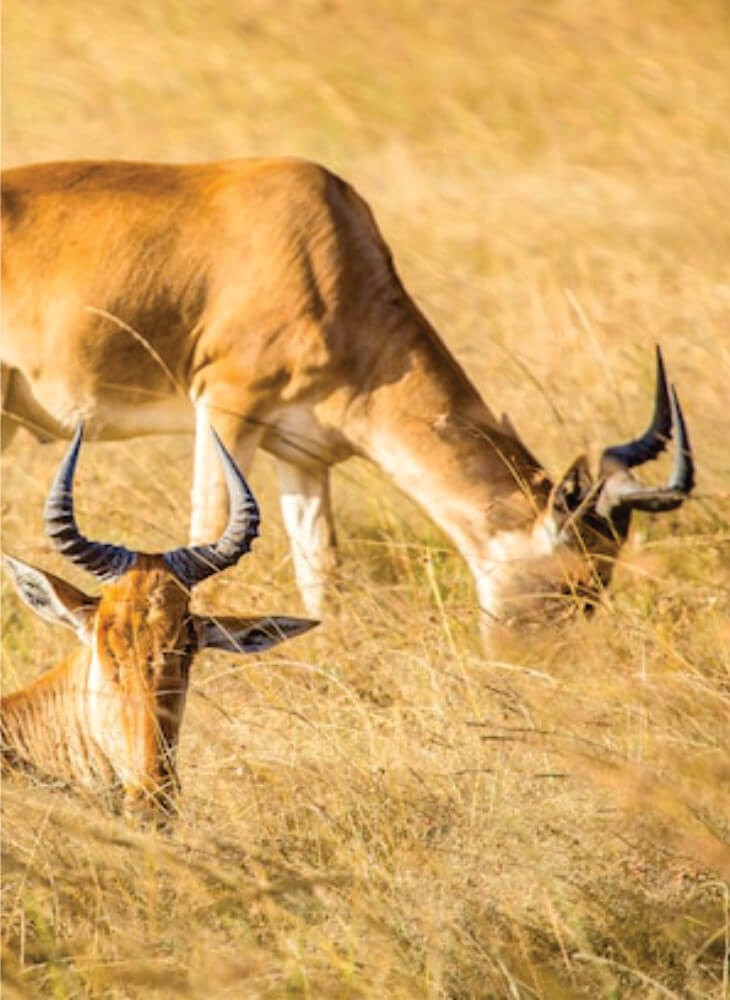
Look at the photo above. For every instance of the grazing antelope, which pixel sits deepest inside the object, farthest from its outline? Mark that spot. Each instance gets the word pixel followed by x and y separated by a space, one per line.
pixel 109 716
pixel 260 296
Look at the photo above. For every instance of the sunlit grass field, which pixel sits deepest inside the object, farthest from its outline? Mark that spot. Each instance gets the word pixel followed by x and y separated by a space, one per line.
pixel 379 810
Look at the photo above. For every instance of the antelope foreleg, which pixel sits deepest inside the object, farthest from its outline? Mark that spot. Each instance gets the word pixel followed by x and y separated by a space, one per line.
pixel 307 512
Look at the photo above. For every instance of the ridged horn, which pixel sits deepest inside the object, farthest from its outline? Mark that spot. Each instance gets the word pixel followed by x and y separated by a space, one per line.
pixel 103 560
pixel 192 564
pixel 654 439
pixel 621 489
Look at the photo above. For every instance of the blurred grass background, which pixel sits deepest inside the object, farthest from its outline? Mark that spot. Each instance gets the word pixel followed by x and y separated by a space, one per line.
pixel 379 811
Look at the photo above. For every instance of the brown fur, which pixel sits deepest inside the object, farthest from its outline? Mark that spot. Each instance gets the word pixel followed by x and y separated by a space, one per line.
pixel 263 292
pixel 109 716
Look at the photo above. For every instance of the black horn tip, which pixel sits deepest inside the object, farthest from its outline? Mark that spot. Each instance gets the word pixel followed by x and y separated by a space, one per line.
pixel 662 420
pixel 683 474
pixel 77 436
pixel 74 447
pixel 68 462
pixel 194 564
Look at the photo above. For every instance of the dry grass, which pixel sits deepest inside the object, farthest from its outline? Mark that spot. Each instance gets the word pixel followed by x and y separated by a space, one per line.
pixel 378 811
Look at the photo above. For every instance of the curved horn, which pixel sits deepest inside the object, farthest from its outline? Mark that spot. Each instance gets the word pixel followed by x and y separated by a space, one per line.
pixel 99 558
pixel 622 491
pixel 654 439
pixel 191 564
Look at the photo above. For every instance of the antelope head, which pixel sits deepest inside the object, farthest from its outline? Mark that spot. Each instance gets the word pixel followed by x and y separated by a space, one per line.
pixel 124 698
pixel 566 560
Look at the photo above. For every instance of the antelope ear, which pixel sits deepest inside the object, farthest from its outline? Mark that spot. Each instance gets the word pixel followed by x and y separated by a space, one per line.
pixel 248 635
pixel 52 598
pixel 572 488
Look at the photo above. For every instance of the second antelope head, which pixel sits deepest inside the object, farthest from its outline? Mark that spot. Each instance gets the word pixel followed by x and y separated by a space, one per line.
pixel 566 556
pixel 111 713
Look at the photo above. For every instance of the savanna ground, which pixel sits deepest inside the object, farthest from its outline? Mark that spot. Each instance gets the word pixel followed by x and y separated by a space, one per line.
pixel 379 811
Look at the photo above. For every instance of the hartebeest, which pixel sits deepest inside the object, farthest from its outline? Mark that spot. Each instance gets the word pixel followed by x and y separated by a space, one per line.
pixel 109 716
pixel 259 295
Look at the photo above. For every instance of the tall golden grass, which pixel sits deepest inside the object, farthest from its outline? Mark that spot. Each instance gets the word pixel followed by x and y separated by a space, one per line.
pixel 381 811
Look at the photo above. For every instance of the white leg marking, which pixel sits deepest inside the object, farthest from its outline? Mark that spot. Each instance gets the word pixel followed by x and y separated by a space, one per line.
pixel 307 513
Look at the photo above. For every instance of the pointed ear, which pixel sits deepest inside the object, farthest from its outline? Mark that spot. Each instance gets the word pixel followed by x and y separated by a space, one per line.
pixel 572 488
pixel 248 635
pixel 51 597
